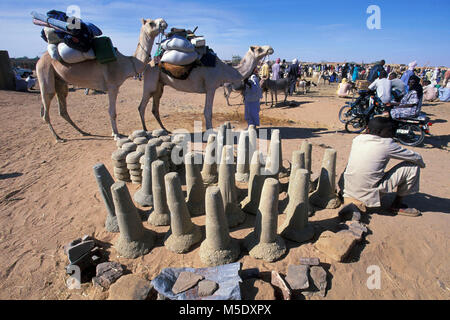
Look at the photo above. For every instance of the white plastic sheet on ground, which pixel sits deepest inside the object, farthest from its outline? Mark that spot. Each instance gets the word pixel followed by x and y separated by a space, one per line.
pixel 226 276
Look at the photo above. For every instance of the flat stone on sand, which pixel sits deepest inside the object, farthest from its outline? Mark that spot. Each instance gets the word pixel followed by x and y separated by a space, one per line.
pixel 336 245
pixel 207 288
pixel 130 287
pixel 185 281
pixel 319 278
pixel 310 261
pixel 297 277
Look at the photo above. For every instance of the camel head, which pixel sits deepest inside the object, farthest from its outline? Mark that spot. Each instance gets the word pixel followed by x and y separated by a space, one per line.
pixel 260 52
pixel 252 58
pixel 153 27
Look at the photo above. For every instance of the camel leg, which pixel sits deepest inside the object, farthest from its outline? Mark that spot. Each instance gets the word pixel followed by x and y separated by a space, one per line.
pixel 156 101
pixel 62 91
pixel 112 96
pixel 142 106
pixel 209 101
pixel 45 114
pixel 227 93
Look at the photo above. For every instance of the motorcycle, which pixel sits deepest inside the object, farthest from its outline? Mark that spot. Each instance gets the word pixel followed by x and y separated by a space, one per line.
pixel 408 131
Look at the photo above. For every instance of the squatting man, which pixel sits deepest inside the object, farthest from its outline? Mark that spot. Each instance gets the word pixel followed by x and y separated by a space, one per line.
pixel 365 179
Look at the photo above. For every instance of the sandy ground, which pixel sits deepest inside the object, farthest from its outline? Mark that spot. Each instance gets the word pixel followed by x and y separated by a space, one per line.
pixel 48 195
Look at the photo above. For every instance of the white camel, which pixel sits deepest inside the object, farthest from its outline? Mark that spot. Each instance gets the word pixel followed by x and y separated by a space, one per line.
pixel 201 80
pixel 54 76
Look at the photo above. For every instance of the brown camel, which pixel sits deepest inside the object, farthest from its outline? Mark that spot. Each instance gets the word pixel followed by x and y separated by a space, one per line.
pixel 54 76
pixel 201 80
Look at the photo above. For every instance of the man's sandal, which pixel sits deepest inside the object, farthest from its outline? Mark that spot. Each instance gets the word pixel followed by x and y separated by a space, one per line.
pixel 409 212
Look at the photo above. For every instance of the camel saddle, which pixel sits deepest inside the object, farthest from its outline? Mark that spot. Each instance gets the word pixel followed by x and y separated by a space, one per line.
pixel 175 71
pixel 183 72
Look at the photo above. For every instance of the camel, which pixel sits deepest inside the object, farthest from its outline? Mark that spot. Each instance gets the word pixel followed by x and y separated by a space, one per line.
pixel 54 76
pixel 201 80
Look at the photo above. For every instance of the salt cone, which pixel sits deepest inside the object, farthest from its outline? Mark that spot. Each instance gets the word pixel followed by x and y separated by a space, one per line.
pixel 228 190
pixel 194 184
pixel 209 172
pixel 325 196
pixel 264 243
pixel 243 167
pixel 134 240
pixel 105 181
pixel 295 226
pixel 183 234
pixel 161 213
pixel 143 196
pixel 218 248
pixel 251 203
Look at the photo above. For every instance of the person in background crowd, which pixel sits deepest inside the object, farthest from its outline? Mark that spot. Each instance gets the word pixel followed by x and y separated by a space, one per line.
pixel 411 103
pixel 446 78
pixel 410 72
pixel 276 70
pixel 397 84
pixel 292 75
pixel 430 92
pixel 252 97
pixel 355 75
pixel 283 67
pixel 375 71
pixel 265 71
pixel 343 89
pixel 383 87
pixel 345 70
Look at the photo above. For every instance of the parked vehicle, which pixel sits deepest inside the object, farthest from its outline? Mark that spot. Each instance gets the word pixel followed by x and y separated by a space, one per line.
pixel 408 131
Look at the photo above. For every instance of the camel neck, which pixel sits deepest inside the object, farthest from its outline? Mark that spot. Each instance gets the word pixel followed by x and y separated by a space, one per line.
pixel 247 65
pixel 143 51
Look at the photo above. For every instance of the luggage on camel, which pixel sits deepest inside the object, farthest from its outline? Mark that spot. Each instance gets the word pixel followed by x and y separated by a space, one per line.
pixel 182 51
pixel 70 44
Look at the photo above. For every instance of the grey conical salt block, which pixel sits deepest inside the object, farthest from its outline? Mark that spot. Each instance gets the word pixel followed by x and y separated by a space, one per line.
pixel 295 227
pixel 227 185
pixel 252 141
pixel 306 148
pixel 209 171
pixel 143 196
pixel 218 248
pixel 298 162
pixel 325 196
pixel 195 188
pixel 243 166
pixel 221 142
pixel 274 158
pixel 134 240
pixel 183 234
pixel 257 177
pixel 105 181
pixel 161 213
pixel 264 242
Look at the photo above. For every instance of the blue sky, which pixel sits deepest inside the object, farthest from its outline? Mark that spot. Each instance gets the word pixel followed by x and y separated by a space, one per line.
pixel 307 30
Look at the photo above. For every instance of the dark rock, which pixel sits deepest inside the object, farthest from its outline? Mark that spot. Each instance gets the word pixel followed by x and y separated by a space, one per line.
pixel 207 288
pixel 277 281
pixel 185 281
pixel 310 261
pixel 107 274
pixel 350 212
pixel 249 273
pixel 297 277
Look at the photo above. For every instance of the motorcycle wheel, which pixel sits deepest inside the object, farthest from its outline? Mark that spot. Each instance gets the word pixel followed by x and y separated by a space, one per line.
pixel 413 138
pixel 344 114
pixel 355 125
